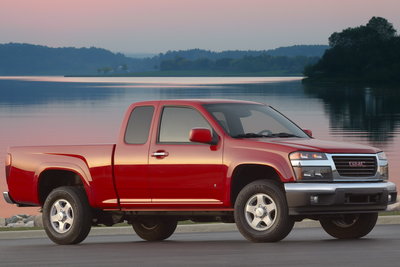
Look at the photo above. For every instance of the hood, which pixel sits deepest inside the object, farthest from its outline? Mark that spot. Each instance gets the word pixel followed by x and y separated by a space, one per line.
pixel 321 146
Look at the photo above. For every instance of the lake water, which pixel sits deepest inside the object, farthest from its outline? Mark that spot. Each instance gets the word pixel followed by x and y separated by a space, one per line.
pixel 58 110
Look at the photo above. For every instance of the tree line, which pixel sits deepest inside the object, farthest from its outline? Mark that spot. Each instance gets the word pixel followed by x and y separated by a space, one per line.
pixel 368 53
pixel 246 64
pixel 285 51
pixel 28 59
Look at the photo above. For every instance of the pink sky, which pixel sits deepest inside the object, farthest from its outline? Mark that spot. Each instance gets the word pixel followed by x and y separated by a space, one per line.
pixel 161 25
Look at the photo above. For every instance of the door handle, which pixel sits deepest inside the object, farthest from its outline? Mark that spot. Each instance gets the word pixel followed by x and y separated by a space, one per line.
pixel 160 154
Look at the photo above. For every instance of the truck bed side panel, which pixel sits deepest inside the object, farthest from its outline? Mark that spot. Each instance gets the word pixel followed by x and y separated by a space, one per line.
pixel 93 163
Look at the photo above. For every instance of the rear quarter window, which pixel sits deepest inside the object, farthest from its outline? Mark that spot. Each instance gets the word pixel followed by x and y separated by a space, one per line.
pixel 138 127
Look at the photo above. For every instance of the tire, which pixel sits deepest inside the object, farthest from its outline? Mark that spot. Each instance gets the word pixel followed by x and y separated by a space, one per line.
pixel 261 212
pixel 66 215
pixel 155 228
pixel 349 226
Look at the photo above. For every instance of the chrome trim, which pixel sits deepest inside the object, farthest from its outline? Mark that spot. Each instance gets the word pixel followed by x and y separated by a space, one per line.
pixel 159 154
pixel 8 198
pixel 298 163
pixel 185 200
pixel 335 174
pixel 332 187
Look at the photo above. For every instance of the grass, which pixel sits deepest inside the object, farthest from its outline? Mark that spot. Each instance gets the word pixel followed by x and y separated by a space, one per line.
pixel 8 229
pixel 389 213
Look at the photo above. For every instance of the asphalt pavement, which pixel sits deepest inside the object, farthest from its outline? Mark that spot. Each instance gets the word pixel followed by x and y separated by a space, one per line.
pixel 305 246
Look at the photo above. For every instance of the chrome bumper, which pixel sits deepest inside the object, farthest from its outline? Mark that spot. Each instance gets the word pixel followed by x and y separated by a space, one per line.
pixel 8 198
pixel 328 198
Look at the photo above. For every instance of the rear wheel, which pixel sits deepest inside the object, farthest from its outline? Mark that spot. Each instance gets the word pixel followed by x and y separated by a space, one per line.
pixel 66 215
pixel 261 212
pixel 155 228
pixel 349 226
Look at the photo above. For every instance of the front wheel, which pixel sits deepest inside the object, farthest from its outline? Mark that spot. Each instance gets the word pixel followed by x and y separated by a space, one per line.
pixel 261 212
pixel 155 228
pixel 66 215
pixel 349 226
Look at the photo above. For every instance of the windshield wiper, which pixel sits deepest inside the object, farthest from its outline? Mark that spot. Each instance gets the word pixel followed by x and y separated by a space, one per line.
pixel 254 135
pixel 250 135
pixel 283 135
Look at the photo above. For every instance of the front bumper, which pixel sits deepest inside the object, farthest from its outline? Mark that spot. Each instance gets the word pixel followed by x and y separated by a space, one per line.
pixel 8 198
pixel 334 198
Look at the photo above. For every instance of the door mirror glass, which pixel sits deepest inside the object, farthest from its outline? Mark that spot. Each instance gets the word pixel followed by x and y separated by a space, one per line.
pixel 201 135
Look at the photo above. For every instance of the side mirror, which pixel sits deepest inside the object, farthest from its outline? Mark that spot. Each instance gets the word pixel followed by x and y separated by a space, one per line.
pixel 201 135
pixel 308 132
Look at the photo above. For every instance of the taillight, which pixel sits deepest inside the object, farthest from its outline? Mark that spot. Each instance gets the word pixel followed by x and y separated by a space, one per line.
pixel 8 165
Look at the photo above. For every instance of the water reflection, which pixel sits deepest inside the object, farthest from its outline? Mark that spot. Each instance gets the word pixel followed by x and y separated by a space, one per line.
pixel 43 90
pixel 23 93
pixel 57 110
pixel 366 111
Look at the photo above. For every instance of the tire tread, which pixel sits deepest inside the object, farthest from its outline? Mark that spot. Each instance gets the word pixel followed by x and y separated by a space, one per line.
pixel 281 227
pixel 82 215
pixel 164 229
pixel 363 226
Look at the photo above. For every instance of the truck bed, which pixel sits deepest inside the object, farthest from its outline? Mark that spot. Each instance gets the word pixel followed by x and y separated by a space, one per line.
pixel 92 162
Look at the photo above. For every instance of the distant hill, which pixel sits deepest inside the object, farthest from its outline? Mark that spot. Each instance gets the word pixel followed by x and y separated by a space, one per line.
pixel 299 50
pixel 284 60
pixel 140 55
pixel 28 59
pixel 270 65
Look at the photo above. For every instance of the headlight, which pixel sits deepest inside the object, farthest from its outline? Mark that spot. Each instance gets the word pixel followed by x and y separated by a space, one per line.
pixel 382 156
pixel 311 166
pixel 313 173
pixel 307 156
pixel 383 165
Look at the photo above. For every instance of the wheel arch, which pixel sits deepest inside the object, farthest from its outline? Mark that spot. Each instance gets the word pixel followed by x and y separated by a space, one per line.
pixel 244 174
pixel 51 177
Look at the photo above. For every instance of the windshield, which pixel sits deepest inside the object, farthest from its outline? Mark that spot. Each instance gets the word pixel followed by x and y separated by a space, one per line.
pixel 253 121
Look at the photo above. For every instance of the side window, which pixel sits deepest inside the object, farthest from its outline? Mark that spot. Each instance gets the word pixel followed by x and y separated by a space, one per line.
pixel 138 128
pixel 176 123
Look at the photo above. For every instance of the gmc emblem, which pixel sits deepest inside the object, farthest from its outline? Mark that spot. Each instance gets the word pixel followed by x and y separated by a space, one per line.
pixel 360 164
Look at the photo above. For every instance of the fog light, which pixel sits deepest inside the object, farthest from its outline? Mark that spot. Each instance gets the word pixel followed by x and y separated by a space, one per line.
pixel 389 198
pixel 314 199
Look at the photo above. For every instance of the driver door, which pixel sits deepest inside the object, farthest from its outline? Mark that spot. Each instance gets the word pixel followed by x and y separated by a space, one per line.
pixel 183 173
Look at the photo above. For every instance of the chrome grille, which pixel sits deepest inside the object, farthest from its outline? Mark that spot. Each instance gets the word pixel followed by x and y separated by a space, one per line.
pixel 355 166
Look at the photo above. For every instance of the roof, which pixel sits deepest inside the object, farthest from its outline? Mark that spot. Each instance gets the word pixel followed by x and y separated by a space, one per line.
pixel 197 101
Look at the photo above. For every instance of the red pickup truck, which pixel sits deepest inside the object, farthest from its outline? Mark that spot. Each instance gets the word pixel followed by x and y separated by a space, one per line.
pixel 203 160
